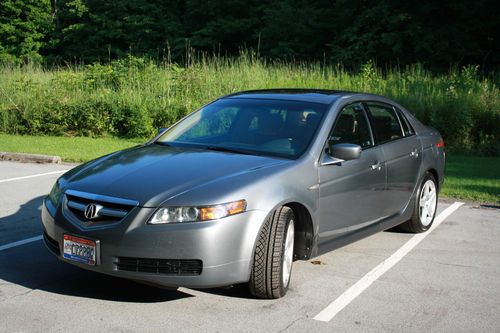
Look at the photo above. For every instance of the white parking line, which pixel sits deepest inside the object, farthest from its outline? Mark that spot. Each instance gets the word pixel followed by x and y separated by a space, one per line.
pixel 355 290
pixel 32 176
pixel 21 242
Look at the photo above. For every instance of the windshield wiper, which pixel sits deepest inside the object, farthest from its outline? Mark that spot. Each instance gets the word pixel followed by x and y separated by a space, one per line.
pixel 162 143
pixel 229 150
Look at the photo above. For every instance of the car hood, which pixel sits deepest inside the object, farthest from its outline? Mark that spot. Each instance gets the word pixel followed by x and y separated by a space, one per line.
pixel 151 174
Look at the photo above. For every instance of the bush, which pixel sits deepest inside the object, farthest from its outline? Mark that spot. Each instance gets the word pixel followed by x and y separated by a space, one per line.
pixel 132 97
pixel 131 121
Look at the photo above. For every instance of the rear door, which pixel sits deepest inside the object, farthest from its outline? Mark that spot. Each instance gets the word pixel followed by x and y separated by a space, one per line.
pixel 351 192
pixel 402 154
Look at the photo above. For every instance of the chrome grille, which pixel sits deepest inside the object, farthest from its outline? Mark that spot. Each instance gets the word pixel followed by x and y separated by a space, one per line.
pixel 110 209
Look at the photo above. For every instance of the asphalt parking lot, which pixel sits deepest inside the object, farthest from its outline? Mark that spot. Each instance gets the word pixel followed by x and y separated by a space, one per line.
pixel 447 282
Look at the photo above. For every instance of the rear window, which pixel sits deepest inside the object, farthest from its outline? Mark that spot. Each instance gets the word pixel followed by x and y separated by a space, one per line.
pixel 385 122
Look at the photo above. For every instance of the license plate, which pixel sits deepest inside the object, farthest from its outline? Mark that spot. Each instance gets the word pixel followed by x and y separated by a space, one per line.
pixel 80 249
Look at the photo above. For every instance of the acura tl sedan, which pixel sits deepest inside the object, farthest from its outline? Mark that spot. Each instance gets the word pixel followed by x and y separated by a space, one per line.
pixel 238 190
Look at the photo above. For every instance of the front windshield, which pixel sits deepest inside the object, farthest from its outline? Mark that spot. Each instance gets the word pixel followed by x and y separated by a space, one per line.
pixel 261 127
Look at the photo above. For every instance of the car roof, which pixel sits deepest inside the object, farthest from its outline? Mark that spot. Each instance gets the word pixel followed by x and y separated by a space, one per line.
pixel 322 96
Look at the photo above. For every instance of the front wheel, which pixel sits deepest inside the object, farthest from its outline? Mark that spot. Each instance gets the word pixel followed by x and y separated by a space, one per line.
pixel 425 206
pixel 273 258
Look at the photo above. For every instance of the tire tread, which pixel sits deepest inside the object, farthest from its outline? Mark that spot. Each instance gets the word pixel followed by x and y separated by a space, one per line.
pixel 265 277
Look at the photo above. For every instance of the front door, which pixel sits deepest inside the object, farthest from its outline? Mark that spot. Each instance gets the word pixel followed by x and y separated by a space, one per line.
pixel 351 193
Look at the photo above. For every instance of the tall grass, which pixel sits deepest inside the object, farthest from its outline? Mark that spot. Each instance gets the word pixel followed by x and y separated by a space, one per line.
pixel 131 97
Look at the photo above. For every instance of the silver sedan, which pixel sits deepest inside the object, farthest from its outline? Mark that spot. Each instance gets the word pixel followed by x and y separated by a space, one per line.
pixel 238 190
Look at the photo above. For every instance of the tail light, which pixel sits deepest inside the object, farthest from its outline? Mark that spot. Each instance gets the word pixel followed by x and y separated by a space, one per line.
pixel 440 144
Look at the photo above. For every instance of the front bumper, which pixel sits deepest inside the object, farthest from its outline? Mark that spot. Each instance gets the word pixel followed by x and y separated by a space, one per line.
pixel 224 246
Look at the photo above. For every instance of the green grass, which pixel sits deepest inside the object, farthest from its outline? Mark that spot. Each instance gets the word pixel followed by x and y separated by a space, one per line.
pixel 467 177
pixel 70 149
pixel 472 178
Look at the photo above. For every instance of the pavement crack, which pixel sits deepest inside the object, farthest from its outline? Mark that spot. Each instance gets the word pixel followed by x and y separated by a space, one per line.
pixel 455 265
pixel 18 295
pixel 437 262
pixel 292 323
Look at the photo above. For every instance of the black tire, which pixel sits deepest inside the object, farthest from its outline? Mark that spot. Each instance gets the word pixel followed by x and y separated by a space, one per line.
pixel 266 278
pixel 415 224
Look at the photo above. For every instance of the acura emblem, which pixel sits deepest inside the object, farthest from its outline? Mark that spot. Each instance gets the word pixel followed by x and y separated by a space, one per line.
pixel 91 211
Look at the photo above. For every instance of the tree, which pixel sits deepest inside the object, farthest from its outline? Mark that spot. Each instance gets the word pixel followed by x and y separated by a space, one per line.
pixel 296 29
pixel 224 27
pixel 24 25
pixel 438 33
pixel 91 30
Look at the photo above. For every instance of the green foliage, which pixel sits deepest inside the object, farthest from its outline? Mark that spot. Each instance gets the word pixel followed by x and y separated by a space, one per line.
pixel 221 27
pixel 23 27
pixel 347 32
pixel 437 33
pixel 95 30
pixel 131 121
pixel 132 97
pixel 369 75
pixel 295 29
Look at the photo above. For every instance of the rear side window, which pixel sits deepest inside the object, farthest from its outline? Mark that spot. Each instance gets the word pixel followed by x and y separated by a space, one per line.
pixel 385 122
pixel 405 124
pixel 352 126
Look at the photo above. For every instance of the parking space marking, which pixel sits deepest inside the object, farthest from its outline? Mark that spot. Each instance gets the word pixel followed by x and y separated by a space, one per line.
pixel 32 176
pixel 355 290
pixel 21 242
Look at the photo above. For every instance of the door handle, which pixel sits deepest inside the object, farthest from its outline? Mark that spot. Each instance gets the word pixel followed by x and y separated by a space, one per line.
pixel 414 153
pixel 376 166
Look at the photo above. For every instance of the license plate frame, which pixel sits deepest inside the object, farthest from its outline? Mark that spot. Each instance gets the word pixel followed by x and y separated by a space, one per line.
pixel 81 249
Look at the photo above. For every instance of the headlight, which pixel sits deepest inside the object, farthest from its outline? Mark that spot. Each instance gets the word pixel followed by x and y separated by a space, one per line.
pixel 197 214
pixel 55 193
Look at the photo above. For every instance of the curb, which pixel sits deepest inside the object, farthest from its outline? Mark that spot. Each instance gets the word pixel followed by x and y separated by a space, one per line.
pixel 29 158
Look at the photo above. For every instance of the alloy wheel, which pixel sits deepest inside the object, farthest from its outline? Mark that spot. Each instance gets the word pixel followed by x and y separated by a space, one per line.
pixel 427 203
pixel 288 255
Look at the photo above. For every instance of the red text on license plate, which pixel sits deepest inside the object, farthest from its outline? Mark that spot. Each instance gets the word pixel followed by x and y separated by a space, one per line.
pixel 80 249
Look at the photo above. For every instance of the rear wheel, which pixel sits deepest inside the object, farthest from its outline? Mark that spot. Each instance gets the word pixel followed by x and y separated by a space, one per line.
pixel 425 206
pixel 273 258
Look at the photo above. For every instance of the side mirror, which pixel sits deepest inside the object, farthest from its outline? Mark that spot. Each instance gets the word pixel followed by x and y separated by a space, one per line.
pixel 162 129
pixel 345 151
pixel 341 152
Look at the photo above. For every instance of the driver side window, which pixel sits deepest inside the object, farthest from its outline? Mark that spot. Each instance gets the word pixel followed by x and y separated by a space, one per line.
pixel 351 126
